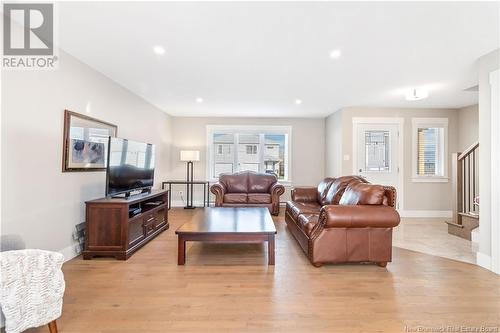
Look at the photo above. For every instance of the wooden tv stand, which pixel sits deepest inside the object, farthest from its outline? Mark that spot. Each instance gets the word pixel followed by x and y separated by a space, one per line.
pixel 112 232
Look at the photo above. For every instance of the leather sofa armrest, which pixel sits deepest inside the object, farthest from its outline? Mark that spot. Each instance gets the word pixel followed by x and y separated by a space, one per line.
pixel 276 191
pixel 305 194
pixel 218 190
pixel 359 216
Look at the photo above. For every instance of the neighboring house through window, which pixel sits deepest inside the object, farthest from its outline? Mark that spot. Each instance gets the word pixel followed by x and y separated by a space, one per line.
pixel 239 148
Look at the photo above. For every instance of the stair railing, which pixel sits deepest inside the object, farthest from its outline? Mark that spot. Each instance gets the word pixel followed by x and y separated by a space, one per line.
pixel 465 180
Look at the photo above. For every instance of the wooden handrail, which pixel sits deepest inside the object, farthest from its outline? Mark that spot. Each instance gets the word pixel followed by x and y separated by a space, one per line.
pixel 468 151
pixel 464 184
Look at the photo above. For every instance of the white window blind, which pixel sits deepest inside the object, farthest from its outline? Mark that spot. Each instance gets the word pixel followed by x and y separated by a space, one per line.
pixel 428 152
pixel 430 149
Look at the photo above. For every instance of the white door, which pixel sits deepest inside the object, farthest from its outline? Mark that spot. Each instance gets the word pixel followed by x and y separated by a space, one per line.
pixel 376 147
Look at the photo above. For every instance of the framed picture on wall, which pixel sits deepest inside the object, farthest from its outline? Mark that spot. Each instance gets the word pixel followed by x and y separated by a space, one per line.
pixel 85 142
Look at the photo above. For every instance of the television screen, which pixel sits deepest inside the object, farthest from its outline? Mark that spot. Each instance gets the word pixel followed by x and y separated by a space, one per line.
pixel 130 166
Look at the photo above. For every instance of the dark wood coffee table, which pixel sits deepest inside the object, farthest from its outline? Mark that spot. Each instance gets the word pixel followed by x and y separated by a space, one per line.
pixel 229 225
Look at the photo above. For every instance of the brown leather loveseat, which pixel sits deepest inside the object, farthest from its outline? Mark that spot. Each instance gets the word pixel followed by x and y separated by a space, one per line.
pixel 344 219
pixel 248 189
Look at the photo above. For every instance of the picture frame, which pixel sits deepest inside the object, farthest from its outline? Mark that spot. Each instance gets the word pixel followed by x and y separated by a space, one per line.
pixel 85 142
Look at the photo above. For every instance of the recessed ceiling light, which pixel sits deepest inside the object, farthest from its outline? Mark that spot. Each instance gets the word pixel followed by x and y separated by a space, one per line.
pixel 416 94
pixel 298 101
pixel 199 100
pixel 159 50
pixel 334 54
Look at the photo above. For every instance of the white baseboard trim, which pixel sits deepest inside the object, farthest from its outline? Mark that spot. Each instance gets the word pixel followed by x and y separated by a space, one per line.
pixel 180 203
pixel 177 203
pixel 483 260
pixel 426 213
pixel 475 236
pixel 70 252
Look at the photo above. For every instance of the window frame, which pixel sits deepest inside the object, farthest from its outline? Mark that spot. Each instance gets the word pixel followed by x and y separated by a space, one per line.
pixel 250 129
pixel 443 158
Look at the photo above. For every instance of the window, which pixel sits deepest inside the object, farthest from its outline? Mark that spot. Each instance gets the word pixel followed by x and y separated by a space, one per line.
pixel 377 150
pixel 430 140
pixel 251 149
pixel 240 148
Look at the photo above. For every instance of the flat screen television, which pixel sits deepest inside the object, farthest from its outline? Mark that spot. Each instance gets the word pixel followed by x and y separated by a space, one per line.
pixel 130 166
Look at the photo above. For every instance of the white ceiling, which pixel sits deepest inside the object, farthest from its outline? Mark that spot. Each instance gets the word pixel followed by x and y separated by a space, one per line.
pixel 256 59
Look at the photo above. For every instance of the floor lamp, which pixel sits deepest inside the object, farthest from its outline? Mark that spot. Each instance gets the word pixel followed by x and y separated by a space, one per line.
pixel 189 156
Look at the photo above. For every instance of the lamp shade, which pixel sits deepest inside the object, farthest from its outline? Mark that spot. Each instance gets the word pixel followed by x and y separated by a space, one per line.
pixel 190 155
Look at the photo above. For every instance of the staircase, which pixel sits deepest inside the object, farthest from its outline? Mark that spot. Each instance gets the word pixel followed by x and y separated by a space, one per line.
pixel 465 182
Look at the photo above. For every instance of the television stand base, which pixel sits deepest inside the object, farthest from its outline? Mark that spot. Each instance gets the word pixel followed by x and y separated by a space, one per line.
pixel 119 227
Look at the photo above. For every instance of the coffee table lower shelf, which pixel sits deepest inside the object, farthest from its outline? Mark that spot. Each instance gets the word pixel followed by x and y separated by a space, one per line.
pixel 225 238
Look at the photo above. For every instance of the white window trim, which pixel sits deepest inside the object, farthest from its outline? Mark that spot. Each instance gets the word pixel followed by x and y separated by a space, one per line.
pixel 250 129
pixel 429 122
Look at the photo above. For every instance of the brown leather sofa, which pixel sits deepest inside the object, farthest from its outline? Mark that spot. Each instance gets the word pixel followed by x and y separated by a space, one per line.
pixel 344 219
pixel 248 189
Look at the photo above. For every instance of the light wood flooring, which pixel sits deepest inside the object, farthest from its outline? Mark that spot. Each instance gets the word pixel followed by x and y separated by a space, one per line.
pixel 230 288
pixel 431 236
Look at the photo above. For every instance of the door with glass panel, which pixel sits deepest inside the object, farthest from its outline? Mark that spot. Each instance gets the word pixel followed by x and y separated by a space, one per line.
pixel 376 152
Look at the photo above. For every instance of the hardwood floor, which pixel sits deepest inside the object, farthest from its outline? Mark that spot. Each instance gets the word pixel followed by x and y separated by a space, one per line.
pixel 230 288
pixel 431 236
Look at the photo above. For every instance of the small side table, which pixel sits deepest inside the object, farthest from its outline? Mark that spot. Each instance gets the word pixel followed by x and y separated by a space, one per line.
pixel 206 190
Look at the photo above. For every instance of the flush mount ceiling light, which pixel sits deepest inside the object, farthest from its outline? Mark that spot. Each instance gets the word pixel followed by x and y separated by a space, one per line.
pixel 335 54
pixel 199 100
pixel 159 50
pixel 298 101
pixel 416 94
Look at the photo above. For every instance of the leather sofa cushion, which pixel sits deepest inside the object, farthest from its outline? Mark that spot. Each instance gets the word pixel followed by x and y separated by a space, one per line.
pixel 323 188
pixel 260 198
pixel 260 182
pixel 235 183
pixel 235 198
pixel 307 222
pixel 363 194
pixel 338 187
pixel 297 208
pixel 305 194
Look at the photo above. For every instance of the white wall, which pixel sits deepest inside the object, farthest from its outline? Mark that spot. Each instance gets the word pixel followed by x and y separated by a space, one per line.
pixel 307 157
pixel 488 63
pixel 417 196
pixel 333 144
pixel 468 126
pixel 40 202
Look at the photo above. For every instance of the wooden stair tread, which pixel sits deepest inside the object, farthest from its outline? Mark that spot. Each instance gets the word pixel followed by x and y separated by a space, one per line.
pixel 473 216
pixel 454 224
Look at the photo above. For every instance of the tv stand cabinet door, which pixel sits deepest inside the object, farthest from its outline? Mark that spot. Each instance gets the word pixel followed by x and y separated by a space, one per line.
pixel 104 227
pixel 135 231
pixel 161 217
